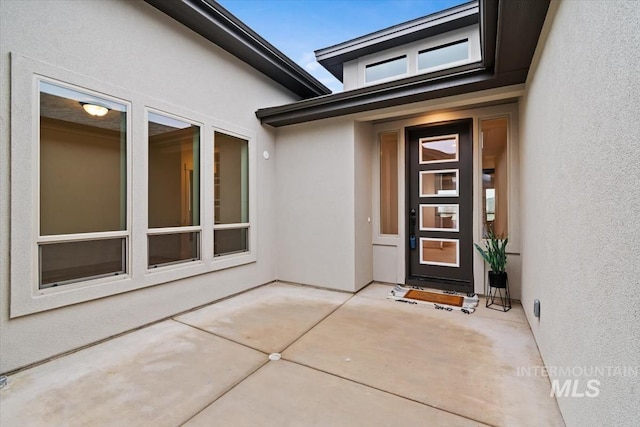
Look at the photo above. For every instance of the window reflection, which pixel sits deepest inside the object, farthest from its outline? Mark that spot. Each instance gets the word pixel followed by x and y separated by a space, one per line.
pixel 442 183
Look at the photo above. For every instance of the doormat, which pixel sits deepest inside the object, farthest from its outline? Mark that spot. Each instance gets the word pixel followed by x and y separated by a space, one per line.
pixel 440 300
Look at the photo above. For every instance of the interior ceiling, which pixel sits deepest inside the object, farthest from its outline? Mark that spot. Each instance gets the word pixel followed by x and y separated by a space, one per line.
pixel 494 137
pixel 70 110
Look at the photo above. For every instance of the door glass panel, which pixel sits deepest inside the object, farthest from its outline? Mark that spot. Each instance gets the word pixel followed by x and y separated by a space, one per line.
pixel 439 183
pixel 439 217
pixel 440 149
pixel 68 262
pixel 444 252
pixel 172 248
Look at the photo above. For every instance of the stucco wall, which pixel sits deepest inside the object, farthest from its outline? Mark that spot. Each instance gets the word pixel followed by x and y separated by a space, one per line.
pixel 315 199
pixel 580 169
pixel 131 45
pixel 364 143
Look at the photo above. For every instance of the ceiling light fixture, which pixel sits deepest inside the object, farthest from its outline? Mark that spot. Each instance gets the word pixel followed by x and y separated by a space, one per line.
pixel 94 109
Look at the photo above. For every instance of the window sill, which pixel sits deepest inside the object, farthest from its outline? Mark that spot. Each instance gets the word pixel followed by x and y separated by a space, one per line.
pixel 30 302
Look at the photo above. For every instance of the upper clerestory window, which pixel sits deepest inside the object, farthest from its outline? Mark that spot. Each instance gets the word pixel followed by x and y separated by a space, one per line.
pixel 386 69
pixel 444 54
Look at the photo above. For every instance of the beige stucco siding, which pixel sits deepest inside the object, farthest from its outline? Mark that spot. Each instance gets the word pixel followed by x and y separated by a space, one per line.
pixel 315 199
pixel 133 46
pixel 580 169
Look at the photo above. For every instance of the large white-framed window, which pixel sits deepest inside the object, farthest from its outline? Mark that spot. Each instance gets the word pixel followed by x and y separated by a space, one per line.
pixel 83 187
pixel 174 153
pixel 98 210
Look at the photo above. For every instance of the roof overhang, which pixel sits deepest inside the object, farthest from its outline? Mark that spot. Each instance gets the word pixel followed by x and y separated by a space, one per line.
pixel 332 58
pixel 509 32
pixel 215 23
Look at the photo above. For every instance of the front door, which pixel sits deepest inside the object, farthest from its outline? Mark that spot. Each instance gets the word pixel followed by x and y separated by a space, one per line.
pixel 440 205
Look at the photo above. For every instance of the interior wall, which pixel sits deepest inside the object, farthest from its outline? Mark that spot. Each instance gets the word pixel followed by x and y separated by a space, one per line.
pixel 230 152
pixel 316 208
pixel 580 160
pixel 142 58
pixel 166 185
pixel 76 157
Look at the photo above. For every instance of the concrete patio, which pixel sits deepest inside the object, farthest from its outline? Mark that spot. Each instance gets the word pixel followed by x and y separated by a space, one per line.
pixel 347 360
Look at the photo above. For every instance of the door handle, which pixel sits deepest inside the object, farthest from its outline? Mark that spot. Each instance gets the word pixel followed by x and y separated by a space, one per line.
pixel 412 223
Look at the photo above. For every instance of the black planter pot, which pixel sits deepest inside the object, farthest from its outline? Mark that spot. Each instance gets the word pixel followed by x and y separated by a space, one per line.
pixel 498 280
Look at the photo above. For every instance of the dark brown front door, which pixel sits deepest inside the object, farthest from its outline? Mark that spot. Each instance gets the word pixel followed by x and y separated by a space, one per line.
pixel 440 205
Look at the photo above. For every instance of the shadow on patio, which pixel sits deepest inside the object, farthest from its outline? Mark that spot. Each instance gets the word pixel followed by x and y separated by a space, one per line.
pixel 346 360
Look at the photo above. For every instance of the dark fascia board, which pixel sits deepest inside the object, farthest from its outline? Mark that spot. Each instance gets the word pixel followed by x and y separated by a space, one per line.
pixel 333 57
pixel 215 23
pixel 508 65
pixel 352 102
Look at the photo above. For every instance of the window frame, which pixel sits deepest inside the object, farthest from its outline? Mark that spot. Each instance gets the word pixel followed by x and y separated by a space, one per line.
pixel 25 297
pixel 511 196
pixel 379 238
pixel 89 236
pixel 224 259
pixel 176 229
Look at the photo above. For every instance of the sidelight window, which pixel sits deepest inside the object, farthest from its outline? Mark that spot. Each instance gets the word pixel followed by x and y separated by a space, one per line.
pixel 495 175
pixel 389 183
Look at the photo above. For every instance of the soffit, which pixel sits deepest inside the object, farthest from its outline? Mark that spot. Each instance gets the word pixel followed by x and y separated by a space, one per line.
pixel 213 22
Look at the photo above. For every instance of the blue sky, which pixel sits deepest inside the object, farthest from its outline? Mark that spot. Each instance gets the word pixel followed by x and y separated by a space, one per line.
pixel 299 27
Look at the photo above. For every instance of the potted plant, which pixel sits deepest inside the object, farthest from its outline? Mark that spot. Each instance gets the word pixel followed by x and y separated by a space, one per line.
pixel 495 254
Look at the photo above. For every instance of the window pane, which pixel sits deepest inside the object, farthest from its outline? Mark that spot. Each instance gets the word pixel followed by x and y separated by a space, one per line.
pixel 231 241
pixel 439 183
pixel 434 150
pixel 439 217
pixel 389 183
pixel 495 176
pixel 386 69
pixel 63 263
pixel 83 163
pixel 173 248
pixel 174 172
pixel 443 252
pixel 231 180
pixel 441 55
